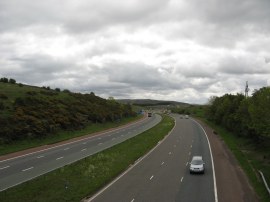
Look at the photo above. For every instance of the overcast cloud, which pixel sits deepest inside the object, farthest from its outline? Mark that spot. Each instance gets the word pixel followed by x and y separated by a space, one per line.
pixel 158 49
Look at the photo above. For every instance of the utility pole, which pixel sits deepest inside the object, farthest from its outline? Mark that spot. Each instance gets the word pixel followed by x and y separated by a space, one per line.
pixel 246 89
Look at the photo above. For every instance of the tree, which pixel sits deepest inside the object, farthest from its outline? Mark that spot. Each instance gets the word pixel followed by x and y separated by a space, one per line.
pixel 4 80
pixel 259 110
pixel 13 81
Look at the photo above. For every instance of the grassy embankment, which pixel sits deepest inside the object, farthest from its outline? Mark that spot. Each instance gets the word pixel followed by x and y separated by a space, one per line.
pixel 250 155
pixel 83 178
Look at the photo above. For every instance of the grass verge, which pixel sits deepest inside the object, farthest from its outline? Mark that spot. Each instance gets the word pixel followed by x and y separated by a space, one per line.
pixel 62 135
pixel 83 178
pixel 250 156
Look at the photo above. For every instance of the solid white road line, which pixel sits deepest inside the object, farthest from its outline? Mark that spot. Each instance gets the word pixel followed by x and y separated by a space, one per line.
pixel 214 174
pixel 60 158
pixel 130 168
pixel 4 167
pixel 27 169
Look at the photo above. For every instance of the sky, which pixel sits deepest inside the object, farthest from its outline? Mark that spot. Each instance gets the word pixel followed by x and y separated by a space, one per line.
pixel 180 50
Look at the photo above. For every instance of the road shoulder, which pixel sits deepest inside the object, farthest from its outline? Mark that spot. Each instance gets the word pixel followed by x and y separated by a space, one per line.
pixel 232 182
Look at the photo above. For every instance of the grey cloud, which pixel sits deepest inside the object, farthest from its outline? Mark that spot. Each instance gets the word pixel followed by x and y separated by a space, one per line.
pixel 234 12
pixel 244 65
pixel 76 16
pixel 38 68
pixel 193 49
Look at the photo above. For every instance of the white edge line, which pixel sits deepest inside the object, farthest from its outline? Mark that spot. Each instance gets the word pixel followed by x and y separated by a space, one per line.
pixel 130 168
pixel 87 138
pixel 214 173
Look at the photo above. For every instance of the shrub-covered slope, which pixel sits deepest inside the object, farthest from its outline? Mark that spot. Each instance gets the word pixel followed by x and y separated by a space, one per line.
pixel 33 112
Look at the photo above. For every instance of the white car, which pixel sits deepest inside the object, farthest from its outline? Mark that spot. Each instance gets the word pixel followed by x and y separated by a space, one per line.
pixel 196 165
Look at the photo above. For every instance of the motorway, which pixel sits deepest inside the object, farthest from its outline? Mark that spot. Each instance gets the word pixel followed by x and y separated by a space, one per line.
pixel 163 174
pixel 23 168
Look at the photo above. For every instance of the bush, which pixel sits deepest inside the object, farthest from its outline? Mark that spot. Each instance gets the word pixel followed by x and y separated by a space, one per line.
pixel 3 96
pixel 13 81
pixel 2 106
pixel 4 80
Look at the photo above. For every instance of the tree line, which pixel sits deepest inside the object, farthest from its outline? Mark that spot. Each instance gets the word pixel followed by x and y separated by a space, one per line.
pixel 244 116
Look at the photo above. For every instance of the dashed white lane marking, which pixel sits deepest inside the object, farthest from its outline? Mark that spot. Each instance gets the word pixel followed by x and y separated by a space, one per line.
pixel 83 149
pixel 100 143
pixel 182 179
pixel 4 167
pixel 113 138
pixel 27 169
pixel 151 177
pixel 84 143
pixel 186 163
pixel 39 157
pixel 60 158
pixel 99 138
pixel 162 163
pixel 189 153
pixel 170 153
pixel 66 149
pixel 122 135
pixel 132 200
pixel 190 146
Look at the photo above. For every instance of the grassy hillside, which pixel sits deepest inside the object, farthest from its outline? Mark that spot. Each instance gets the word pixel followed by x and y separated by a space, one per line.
pixel 34 112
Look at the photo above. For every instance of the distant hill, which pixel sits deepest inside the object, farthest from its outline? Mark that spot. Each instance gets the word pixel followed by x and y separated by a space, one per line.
pixel 34 112
pixel 149 102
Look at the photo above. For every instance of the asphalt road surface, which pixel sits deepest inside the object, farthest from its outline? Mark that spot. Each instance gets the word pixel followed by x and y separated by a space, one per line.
pixel 163 174
pixel 23 168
